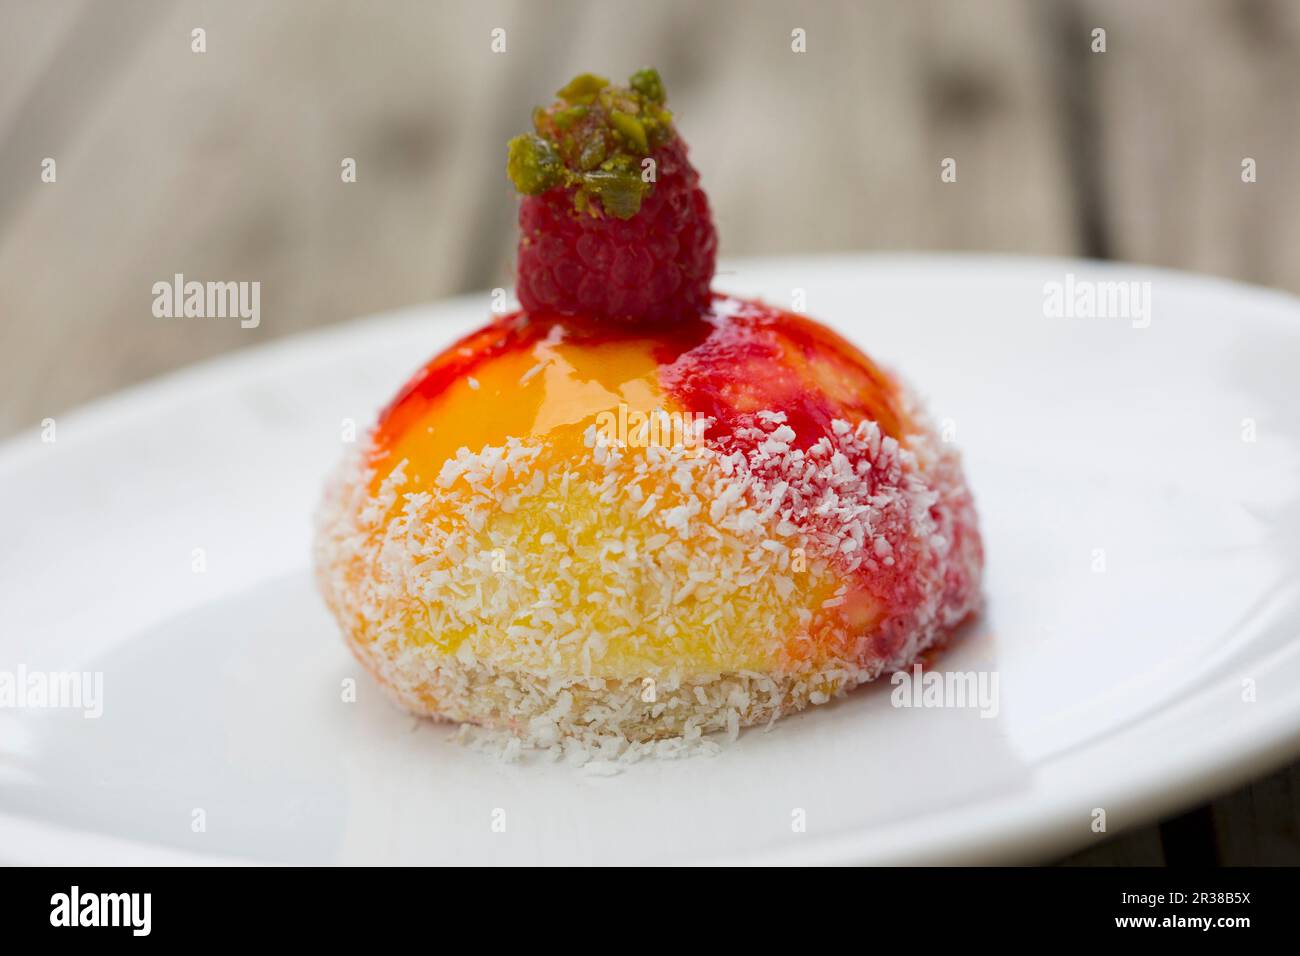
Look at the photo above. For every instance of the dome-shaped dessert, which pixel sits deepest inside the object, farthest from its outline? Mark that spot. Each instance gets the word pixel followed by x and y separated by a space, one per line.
pixel 680 514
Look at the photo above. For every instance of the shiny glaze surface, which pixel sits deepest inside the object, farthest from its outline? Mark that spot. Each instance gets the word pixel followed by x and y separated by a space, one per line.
pixel 549 376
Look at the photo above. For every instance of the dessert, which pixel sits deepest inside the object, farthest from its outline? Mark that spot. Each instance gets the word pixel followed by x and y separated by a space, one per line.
pixel 638 509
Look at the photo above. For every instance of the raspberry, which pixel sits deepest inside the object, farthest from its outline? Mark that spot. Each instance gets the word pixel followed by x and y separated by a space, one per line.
pixel 657 265
pixel 596 236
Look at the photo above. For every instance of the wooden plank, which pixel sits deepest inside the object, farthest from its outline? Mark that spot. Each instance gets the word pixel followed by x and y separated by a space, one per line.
pixel 1184 92
pixel 32 34
pixel 1141 847
pixel 840 147
pixel 226 165
pixel 1259 825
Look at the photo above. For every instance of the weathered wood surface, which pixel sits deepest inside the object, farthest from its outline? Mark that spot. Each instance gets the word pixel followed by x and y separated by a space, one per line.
pixel 226 164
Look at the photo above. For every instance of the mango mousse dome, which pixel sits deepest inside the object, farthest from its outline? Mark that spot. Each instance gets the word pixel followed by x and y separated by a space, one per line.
pixel 638 510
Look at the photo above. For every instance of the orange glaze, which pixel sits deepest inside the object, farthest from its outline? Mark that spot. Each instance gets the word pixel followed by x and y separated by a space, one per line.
pixel 525 377
pixel 535 376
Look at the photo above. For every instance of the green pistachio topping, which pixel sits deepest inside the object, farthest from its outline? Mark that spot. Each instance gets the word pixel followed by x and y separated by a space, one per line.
pixel 594 139
pixel 647 83
pixel 631 128
pixel 583 88
pixel 533 164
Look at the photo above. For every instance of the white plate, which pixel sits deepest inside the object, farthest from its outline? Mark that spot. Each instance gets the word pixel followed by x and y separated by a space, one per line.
pixel 1126 689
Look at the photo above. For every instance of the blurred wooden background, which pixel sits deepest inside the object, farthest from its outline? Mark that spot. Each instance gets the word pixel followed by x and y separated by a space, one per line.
pixel 226 165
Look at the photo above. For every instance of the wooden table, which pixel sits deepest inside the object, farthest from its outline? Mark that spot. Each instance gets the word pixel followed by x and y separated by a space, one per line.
pixel 226 164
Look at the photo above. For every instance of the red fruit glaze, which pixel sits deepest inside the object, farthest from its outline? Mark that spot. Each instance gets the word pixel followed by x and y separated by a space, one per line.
pixel 654 266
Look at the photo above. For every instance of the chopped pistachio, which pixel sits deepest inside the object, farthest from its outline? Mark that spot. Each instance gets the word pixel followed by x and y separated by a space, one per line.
pixel 533 165
pixel 565 118
pixel 620 192
pixel 647 83
pixel 631 129
pixel 582 89
pixel 593 141
pixel 620 161
pixel 593 153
